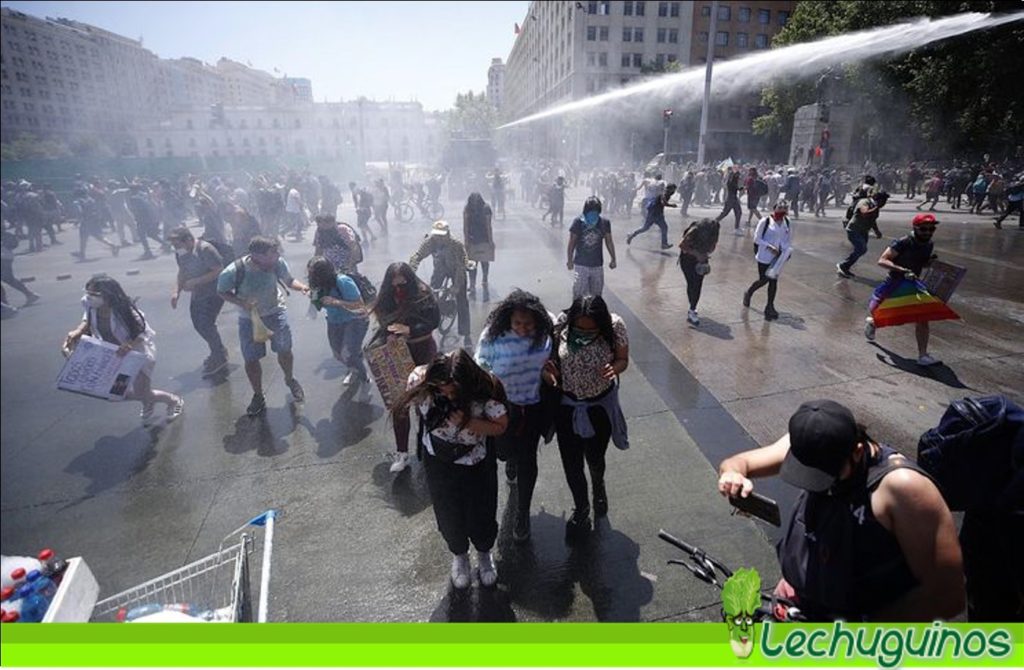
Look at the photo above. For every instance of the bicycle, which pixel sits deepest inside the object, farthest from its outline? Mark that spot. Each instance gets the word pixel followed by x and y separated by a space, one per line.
pixel 403 211
pixel 447 305
pixel 710 570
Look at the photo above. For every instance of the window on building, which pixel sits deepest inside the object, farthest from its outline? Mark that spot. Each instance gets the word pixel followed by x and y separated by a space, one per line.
pixel 673 36
pixel 591 33
pixel 640 8
pixel 627 8
pixel 673 9
pixel 702 37
pixel 662 34
pixel 602 59
pixel 783 17
pixel 21 76
pixel 603 33
pixel 722 38
pixel 672 58
pixel 761 41
pixel 149 142
pixel 705 10
pixel 627 35
pixel 591 59
pixel 662 9
pixel 638 34
pixel 741 40
pixel 604 8
pixel 626 60
pixel 735 112
pixel 764 16
pixel 743 14
pixel 591 8
pixel 724 13
pixel 638 60
pixel 659 60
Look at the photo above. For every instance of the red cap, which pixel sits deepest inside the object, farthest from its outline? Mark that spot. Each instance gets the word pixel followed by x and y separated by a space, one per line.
pixel 18 573
pixel 11 617
pixel 924 219
pixel 45 554
pixel 7 592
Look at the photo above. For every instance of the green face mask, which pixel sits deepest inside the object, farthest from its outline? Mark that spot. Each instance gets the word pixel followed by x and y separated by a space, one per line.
pixel 578 339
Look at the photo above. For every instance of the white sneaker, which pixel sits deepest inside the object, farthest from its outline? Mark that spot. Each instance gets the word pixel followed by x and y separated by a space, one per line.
pixel 401 461
pixel 488 573
pixel 927 360
pixel 739 233
pixel 692 318
pixel 349 378
pixel 363 394
pixel 869 329
pixel 460 571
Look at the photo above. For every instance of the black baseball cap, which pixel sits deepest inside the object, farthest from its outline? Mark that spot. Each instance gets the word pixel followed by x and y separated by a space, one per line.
pixel 822 435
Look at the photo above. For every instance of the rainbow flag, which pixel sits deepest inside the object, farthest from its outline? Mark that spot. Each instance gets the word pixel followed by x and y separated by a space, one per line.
pixel 896 302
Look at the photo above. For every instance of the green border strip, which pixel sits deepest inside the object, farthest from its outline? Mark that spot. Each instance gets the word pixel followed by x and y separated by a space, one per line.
pixel 424 645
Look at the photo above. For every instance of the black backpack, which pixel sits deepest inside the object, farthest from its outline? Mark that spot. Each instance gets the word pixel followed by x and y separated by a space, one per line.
pixel 760 188
pixel 976 454
pixel 367 290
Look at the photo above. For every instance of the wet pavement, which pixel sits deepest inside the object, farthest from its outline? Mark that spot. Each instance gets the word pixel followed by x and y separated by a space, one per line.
pixel 356 543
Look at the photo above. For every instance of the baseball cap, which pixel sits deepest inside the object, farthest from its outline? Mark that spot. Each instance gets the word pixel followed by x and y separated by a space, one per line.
pixel 925 219
pixel 822 435
pixel 440 228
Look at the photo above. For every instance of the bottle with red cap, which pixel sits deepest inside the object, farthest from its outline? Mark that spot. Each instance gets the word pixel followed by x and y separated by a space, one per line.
pixel 17 579
pixel 51 566
pixel 10 617
pixel 10 599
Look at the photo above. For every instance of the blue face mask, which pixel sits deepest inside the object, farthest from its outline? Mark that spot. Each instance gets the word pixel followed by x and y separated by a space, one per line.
pixel 591 218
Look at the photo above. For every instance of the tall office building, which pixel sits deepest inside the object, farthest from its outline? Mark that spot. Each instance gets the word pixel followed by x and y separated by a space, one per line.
pixel 496 83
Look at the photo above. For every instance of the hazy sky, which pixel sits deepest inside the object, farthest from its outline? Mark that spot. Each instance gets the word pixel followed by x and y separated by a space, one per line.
pixel 427 51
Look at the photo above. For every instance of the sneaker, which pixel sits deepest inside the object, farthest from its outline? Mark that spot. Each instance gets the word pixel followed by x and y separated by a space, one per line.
pixel 927 360
pixel 666 246
pixel 738 233
pixel 600 500
pixel 488 573
pixel 843 272
pixel 298 395
pixel 363 394
pixel 746 298
pixel 176 410
pixel 578 524
pixel 692 318
pixel 998 224
pixel 401 463
pixel 212 366
pixel 521 531
pixel 115 250
pixel 770 314
pixel 257 406
pixel 869 329
pixel 32 299
pixel 349 378
pixel 629 239
pixel 460 571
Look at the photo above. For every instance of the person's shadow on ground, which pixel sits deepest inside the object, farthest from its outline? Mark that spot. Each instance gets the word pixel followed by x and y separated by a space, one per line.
pixel 940 372
pixel 114 460
pixel 405 492
pixel 265 434
pixel 349 424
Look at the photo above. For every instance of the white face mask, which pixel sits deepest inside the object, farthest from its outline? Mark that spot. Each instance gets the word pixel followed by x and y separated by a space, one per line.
pixel 178 251
pixel 94 301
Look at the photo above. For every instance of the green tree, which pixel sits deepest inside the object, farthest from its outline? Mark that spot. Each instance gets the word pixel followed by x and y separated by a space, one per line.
pixel 957 95
pixel 27 146
pixel 473 116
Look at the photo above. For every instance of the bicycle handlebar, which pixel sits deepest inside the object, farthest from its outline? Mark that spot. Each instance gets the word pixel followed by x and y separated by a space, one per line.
pixel 676 542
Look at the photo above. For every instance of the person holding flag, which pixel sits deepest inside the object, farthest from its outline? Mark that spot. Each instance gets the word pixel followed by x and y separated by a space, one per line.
pixel 902 298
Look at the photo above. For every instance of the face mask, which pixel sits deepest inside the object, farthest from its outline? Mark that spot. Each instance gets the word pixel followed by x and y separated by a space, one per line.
pixel 778 216
pixel 401 293
pixel 577 339
pixel 591 218
pixel 93 301
pixel 178 251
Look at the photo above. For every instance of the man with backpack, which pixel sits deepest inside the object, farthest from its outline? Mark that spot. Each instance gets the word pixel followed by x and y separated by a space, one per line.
pixel 870 537
pixel 199 266
pixel 862 217
pixel 252 283
pixel 976 457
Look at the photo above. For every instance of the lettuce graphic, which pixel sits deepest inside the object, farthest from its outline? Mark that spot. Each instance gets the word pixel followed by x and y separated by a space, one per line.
pixel 741 596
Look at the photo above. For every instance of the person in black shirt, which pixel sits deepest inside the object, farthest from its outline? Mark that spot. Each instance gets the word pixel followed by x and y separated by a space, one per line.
pixel 732 198
pixel 656 217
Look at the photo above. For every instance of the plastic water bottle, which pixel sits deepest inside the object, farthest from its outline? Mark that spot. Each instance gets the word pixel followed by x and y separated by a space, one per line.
pixel 44 585
pixel 8 564
pixel 10 599
pixel 153 608
pixel 17 578
pixel 34 606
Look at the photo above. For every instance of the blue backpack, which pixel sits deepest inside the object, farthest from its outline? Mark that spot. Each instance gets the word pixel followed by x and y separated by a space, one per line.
pixel 976 454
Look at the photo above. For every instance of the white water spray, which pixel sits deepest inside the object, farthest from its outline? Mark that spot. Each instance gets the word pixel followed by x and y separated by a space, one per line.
pixel 799 61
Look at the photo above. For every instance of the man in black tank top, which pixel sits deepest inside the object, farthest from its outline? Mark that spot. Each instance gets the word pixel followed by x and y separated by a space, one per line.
pixel 870 537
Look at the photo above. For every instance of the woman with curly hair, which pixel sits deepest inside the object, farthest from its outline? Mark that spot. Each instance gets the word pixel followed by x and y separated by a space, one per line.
pixel 460 405
pixel 406 308
pixel 110 315
pixel 516 345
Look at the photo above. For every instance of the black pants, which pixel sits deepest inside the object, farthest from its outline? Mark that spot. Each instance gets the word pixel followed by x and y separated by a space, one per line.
pixel 773 284
pixel 7 276
pixel 993 550
pixel 465 499
pixel 732 204
pixel 575 451
pixel 694 281
pixel 1011 207
pixel 519 443
pixel 204 311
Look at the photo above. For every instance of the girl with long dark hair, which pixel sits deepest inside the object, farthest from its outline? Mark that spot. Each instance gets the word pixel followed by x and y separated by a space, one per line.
pixel 516 345
pixel 479 237
pixel 338 295
pixel 110 315
pixel 592 350
pixel 406 308
pixel 460 405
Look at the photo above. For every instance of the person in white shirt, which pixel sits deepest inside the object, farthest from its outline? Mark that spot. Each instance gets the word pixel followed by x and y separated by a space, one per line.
pixel 772 239
pixel 293 212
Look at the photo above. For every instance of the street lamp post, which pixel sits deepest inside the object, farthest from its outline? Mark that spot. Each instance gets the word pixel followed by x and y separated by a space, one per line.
pixel 666 118
pixel 707 83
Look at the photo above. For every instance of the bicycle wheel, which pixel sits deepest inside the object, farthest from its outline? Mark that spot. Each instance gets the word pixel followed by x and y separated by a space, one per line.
pixel 404 212
pixel 436 211
pixel 448 308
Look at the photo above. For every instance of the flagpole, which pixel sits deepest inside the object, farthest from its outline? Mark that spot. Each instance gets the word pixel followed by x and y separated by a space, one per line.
pixel 707 84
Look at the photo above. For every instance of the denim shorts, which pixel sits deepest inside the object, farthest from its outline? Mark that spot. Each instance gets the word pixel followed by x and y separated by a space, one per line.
pixel 280 341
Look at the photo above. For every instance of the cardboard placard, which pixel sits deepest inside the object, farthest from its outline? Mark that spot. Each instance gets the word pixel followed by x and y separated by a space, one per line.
pixel 390 364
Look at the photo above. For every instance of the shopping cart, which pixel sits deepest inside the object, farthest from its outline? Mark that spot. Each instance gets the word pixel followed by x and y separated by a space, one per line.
pixel 214 588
